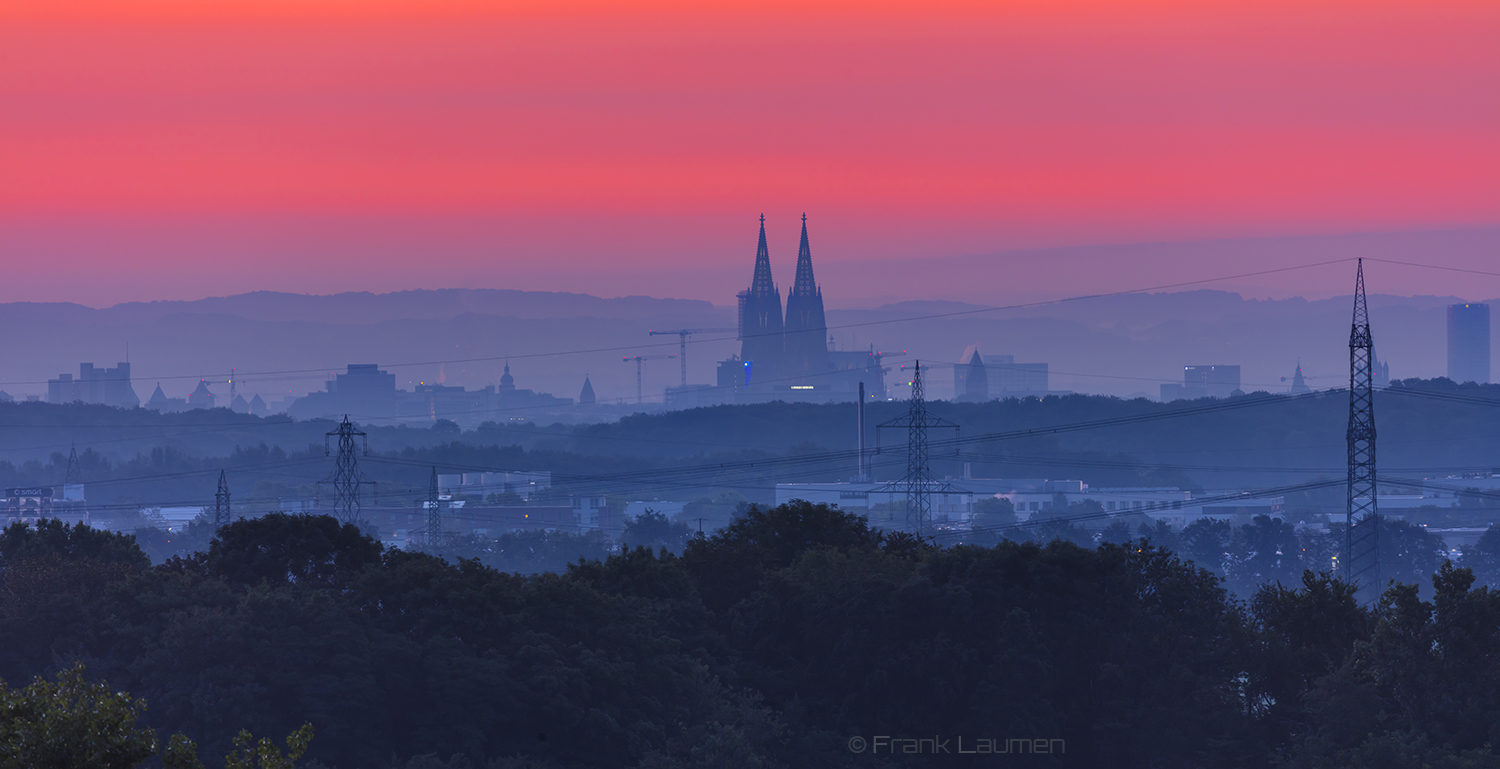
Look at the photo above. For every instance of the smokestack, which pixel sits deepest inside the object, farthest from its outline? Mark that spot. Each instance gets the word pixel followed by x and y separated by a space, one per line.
pixel 860 477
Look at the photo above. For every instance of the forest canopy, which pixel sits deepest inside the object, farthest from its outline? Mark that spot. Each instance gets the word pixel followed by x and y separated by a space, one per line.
pixel 771 643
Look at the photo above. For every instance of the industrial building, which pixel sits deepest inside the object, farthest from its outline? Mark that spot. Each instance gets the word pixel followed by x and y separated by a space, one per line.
pixel 953 500
pixel 524 485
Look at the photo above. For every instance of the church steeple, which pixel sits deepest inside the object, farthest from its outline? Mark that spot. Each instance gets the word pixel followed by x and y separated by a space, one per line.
pixel 761 284
pixel 760 316
pixel 806 331
pixel 805 285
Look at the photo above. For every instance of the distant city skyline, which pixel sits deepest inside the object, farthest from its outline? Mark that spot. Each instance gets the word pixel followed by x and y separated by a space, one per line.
pixel 286 345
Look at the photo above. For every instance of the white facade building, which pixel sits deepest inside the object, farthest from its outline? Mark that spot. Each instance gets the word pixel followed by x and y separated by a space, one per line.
pixel 481 485
pixel 1441 492
pixel 953 499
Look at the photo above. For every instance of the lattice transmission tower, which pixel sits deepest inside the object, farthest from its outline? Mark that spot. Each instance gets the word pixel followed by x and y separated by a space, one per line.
pixel 434 513
pixel 347 477
pixel 1362 545
pixel 221 502
pixel 70 476
pixel 918 484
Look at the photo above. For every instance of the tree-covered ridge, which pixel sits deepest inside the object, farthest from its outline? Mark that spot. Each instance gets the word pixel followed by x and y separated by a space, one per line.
pixel 134 458
pixel 771 643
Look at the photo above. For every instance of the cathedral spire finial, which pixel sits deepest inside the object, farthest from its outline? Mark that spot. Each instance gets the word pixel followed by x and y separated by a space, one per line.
pixel 804 282
pixel 761 283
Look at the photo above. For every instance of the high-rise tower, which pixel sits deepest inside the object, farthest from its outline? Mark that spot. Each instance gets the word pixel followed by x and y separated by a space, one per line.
pixel 760 317
pixel 806 331
pixel 1468 343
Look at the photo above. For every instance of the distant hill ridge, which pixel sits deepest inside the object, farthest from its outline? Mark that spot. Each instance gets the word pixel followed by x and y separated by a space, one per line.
pixel 1200 305
pixel 284 344
pixel 363 307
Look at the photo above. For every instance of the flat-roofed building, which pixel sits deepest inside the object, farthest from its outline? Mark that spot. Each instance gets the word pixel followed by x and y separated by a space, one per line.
pixel 1469 343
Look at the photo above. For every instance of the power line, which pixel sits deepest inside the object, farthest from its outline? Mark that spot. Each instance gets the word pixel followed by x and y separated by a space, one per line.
pixel 844 455
pixel 642 478
pixel 1433 267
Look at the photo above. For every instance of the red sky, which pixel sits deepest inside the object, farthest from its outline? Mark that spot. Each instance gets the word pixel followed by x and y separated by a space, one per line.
pixel 181 149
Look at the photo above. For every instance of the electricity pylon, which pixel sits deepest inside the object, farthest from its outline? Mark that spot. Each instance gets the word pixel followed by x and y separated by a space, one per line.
pixel 221 502
pixel 346 475
pixel 918 484
pixel 1362 516
pixel 434 516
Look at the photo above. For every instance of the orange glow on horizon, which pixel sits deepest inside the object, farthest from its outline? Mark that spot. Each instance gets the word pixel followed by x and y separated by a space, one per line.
pixel 989 126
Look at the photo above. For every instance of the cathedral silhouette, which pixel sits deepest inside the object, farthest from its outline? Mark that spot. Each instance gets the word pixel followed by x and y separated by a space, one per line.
pixel 787 356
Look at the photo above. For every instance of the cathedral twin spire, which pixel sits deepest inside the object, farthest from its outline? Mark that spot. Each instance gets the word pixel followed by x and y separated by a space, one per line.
pixel 799 344
pixel 762 284
pixel 804 284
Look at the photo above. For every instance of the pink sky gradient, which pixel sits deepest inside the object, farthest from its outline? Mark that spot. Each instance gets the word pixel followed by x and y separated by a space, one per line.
pixel 174 150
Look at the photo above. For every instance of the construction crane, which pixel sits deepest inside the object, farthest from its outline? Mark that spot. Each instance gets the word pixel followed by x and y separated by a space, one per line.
pixel 639 359
pixel 682 336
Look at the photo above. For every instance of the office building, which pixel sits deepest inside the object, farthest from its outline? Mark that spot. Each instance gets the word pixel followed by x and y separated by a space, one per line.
pixel 1218 381
pixel 970 381
pixel 1469 343
pixel 109 386
pixel 982 377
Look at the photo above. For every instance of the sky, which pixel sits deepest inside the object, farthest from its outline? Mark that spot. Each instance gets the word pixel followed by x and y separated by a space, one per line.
pixel 163 149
